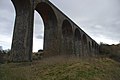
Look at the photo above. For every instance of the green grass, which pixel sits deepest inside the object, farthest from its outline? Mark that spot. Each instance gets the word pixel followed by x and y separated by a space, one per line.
pixel 60 68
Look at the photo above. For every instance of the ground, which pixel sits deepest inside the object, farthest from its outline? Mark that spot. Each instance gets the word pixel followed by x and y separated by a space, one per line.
pixel 62 68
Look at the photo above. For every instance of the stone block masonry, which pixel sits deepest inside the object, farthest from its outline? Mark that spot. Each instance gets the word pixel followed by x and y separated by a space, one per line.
pixel 61 34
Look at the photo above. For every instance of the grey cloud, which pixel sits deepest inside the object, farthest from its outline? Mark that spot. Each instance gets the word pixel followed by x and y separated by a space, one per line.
pixel 6 28
pixel 38 19
pixel 6 5
pixel 111 31
pixel 2 41
pixel 39 36
pixel 38 29
pixel 96 17
pixel 38 24
pixel 7 17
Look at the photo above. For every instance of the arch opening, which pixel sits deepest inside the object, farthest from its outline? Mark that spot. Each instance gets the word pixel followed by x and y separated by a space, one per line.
pixel 77 35
pixel 50 28
pixel 47 14
pixel 67 29
pixel 77 42
pixel 89 46
pixel 85 47
pixel 38 33
pixel 84 39
pixel 93 44
pixel 67 39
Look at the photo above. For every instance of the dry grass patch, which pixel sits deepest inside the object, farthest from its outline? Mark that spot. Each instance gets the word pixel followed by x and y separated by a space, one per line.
pixel 62 68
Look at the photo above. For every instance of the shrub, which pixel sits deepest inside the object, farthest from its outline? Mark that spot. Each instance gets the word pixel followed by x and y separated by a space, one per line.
pixel 4 54
pixel 112 51
pixel 37 55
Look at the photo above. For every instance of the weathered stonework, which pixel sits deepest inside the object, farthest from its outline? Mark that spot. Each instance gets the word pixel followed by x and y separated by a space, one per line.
pixel 61 34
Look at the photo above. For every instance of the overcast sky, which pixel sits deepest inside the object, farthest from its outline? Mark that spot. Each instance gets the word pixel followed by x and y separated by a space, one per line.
pixel 98 18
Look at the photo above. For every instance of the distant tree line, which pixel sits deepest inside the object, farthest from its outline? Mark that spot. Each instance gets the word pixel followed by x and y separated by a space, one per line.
pixel 4 55
pixel 111 51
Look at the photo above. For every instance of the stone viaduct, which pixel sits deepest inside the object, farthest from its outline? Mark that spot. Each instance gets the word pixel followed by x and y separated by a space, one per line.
pixel 61 34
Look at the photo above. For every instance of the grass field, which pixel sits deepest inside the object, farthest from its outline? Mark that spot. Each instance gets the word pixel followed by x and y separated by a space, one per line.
pixel 62 68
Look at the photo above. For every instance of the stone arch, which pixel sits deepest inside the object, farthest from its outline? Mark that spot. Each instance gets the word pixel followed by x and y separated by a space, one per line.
pixel 92 44
pixel 50 28
pixel 93 47
pixel 84 45
pixel 67 29
pixel 77 35
pixel 90 47
pixel 67 34
pixel 77 42
pixel 84 39
pixel 96 48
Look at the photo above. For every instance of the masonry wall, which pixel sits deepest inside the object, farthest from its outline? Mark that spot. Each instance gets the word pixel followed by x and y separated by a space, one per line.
pixel 61 35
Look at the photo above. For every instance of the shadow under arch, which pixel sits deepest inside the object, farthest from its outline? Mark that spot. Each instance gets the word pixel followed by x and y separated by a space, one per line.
pixel 50 46
pixel 90 47
pixel 67 38
pixel 77 35
pixel 77 42
pixel 67 29
pixel 93 47
pixel 84 45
